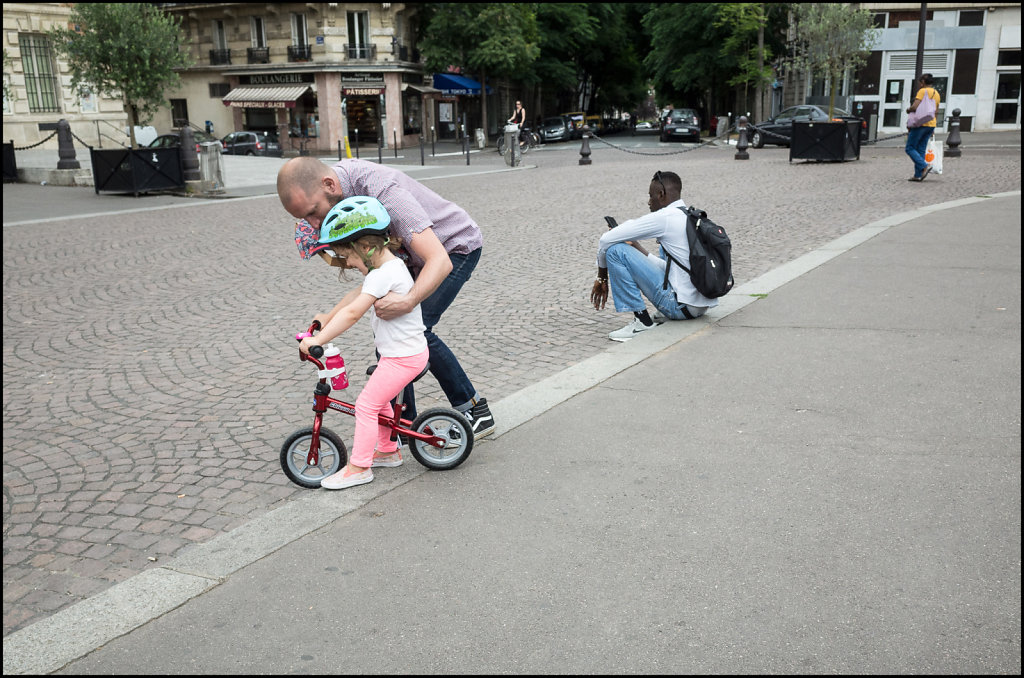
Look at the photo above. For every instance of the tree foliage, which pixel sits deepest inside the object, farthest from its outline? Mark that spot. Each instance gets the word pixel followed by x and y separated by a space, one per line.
pixel 124 50
pixel 699 51
pixel 831 39
pixel 496 39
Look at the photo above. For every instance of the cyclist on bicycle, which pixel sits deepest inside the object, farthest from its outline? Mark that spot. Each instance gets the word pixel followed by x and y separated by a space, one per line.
pixel 519 119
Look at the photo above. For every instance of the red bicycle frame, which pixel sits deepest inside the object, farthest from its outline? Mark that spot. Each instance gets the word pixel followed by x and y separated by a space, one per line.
pixel 322 401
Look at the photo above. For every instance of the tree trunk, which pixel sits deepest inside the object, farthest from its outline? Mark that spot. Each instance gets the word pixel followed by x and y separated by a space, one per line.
pixel 483 105
pixel 132 118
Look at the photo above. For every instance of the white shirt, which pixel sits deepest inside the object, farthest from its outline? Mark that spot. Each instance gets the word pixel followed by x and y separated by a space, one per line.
pixel 668 227
pixel 402 336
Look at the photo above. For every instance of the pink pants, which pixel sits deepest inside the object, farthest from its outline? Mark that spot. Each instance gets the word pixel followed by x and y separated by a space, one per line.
pixel 386 382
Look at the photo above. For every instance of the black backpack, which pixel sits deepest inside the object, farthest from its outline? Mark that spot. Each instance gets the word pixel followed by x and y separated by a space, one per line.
pixel 710 266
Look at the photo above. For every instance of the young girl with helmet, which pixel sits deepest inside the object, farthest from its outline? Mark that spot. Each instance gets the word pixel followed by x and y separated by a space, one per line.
pixel 356 229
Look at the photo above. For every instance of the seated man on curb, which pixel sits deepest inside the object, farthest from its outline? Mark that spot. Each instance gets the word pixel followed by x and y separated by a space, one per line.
pixel 633 273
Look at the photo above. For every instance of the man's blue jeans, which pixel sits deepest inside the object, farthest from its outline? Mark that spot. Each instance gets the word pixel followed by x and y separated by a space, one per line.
pixel 443 364
pixel 917 145
pixel 631 274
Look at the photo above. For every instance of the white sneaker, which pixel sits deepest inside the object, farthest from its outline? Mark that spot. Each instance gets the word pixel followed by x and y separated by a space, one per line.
pixel 629 331
pixel 339 481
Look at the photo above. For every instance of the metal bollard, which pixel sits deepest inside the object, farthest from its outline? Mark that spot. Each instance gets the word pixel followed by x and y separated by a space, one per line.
pixel 357 143
pixel 422 159
pixel 953 140
pixel 585 148
pixel 741 144
pixel 66 147
pixel 189 157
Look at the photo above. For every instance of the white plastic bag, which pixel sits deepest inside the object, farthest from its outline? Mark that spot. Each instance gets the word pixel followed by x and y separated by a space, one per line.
pixel 933 155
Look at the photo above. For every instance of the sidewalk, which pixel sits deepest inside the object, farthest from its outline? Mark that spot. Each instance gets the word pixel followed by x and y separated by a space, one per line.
pixel 822 476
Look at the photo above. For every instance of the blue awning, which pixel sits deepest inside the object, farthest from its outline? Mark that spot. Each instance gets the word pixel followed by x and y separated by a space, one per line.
pixel 451 84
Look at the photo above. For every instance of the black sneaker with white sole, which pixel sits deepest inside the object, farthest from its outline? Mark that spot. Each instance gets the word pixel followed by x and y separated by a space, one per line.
pixel 480 418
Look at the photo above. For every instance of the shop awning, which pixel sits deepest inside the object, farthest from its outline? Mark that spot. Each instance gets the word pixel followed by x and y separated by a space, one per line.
pixel 452 84
pixel 264 97
pixel 422 89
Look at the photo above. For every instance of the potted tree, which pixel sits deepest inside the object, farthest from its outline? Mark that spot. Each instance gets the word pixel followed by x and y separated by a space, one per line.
pixel 832 39
pixel 128 51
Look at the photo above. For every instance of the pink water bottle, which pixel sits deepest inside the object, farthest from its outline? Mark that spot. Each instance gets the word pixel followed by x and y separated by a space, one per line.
pixel 335 366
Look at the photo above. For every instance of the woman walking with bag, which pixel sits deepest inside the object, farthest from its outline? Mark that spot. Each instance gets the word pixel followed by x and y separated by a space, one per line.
pixel 921 125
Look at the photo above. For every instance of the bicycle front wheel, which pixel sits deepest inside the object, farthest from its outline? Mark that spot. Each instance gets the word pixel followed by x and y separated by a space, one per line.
pixel 295 453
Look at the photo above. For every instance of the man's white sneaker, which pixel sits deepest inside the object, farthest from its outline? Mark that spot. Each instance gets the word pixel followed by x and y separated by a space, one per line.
pixel 629 331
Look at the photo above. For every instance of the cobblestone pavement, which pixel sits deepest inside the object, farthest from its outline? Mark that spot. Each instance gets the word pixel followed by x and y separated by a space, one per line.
pixel 150 376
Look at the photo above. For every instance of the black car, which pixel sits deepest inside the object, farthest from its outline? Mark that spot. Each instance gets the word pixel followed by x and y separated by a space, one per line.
pixel 779 129
pixel 554 129
pixel 173 140
pixel 680 123
pixel 252 143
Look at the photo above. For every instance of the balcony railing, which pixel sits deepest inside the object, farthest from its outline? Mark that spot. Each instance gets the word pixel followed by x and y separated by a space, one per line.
pixel 300 53
pixel 364 52
pixel 220 57
pixel 258 55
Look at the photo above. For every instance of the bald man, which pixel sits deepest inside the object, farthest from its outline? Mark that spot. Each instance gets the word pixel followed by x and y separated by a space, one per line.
pixel 442 241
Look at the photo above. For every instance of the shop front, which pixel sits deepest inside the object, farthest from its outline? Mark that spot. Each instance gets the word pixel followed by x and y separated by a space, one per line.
pixel 364 105
pixel 459 96
pixel 285 104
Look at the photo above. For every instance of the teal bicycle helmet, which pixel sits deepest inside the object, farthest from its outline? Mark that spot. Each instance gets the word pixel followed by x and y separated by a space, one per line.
pixel 352 218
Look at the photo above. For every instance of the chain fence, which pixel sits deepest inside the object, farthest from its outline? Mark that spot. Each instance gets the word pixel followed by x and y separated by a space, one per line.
pixel 734 129
pixel 25 148
pixel 770 133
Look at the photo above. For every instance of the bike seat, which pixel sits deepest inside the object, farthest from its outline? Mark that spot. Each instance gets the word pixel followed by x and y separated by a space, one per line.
pixel 371 368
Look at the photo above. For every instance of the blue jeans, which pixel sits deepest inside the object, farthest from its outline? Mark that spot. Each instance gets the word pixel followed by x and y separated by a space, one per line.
pixel 917 145
pixel 631 274
pixel 443 364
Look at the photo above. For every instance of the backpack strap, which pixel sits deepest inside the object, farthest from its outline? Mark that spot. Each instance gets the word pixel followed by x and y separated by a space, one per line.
pixel 668 264
pixel 696 214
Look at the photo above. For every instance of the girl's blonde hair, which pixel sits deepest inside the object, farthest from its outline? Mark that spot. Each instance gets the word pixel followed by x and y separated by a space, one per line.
pixel 361 245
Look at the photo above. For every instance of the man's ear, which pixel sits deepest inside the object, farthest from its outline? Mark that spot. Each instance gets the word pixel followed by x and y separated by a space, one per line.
pixel 331 184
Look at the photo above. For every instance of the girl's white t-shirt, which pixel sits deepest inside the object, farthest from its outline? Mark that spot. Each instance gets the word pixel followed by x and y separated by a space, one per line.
pixel 402 336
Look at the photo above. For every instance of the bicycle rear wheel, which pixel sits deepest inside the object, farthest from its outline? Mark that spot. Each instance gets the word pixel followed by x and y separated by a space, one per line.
pixel 450 425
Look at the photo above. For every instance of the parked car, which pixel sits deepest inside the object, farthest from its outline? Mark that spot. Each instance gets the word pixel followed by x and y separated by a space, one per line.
pixel 779 129
pixel 644 125
pixel 173 140
pixel 252 143
pixel 575 121
pixel 554 128
pixel 680 123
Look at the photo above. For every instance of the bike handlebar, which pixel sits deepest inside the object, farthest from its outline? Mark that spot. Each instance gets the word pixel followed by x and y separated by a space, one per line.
pixel 315 351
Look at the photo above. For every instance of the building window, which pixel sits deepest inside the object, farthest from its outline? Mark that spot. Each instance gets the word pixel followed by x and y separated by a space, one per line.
pixel 1009 57
pixel 971 18
pixel 299 50
pixel 1007 99
pixel 258 53
pixel 299 36
pixel 179 112
pixel 219 90
pixel 359 35
pixel 40 78
pixel 412 107
pixel 259 32
pixel 220 40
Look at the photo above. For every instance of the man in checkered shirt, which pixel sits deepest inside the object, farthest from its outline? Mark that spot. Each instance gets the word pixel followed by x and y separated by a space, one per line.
pixel 442 241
